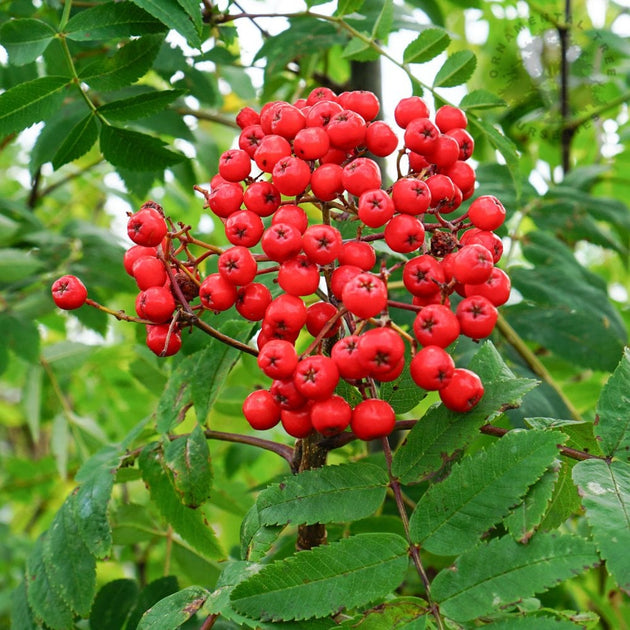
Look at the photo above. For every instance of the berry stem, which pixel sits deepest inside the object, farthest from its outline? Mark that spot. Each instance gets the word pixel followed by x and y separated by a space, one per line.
pixel 193 319
pixel 322 333
pixel 394 484
pixel 119 315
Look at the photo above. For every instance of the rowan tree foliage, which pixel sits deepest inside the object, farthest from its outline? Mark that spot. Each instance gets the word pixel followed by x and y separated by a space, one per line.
pixel 135 493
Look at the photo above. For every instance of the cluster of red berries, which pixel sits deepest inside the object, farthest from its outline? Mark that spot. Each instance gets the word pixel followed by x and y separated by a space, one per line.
pixel 319 154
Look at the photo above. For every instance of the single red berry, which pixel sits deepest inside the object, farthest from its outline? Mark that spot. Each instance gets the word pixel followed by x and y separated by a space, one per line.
pixel 477 316
pixel 322 243
pixel 423 275
pixel 345 353
pixel 372 418
pixel 486 213
pixel 331 415
pixel 436 325
pixel 68 292
pixel 285 315
pixel 267 114
pixel 286 395
pixel 281 241
pixel 462 175
pixel 272 148
pixel 237 265
pixel 319 315
pixel 244 228
pixel 326 181
pixel 404 233
pixel 135 252
pixel 448 117
pixel 246 117
pixel 149 271
pixel 362 102
pixel 393 373
pixel 409 108
pixel 465 141
pixel 334 156
pixel 311 143
pixel 287 121
pixel 216 293
pixel 463 391
pixel 291 214
pixel 320 94
pixel 444 151
pixel 472 264
pixel 322 112
pixel 147 227
pixel 262 197
pixel 346 130
pixel 297 423
pixel 360 175
pixel 420 135
pixel 250 138
pixel 442 192
pixel 277 359
pixel 375 208
pixel 291 175
pixel 234 165
pixel 432 368
pixel 418 163
pixel 380 139
pixel 411 196
pixel 357 253
pixel 225 199
pixel 496 288
pixel 341 276
pixel 163 340
pixel 491 241
pixel 252 301
pixel 298 275
pixel 365 295
pixel 316 377
pixel 380 350
pixel 261 410
pixel 155 304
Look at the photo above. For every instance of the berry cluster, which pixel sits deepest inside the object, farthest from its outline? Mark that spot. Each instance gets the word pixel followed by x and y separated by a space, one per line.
pixel 319 155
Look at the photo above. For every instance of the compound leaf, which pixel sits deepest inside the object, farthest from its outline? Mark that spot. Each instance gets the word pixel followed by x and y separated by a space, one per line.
pixel 481 99
pixel 457 69
pixel 492 577
pixel 188 460
pixel 171 13
pixel 452 515
pixel 330 494
pixel 315 583
pixel 613 421
pixel 25 39
pixel 139 106
pixel 428 45
pixel 605 490
pixel 172 611
pixel 28 103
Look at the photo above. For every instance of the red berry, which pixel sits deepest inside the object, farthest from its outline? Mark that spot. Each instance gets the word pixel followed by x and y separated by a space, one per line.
pixel 316 377
pixel 372 418
pixel 486 213
pixel 68 292
pixel 225 199
pixel 358 253
pixel 297 423
pixel 346 130
pixel 216 293
pixel 311 143
pixel 496 288
pixel 462 175
pixel 365 295
pixel 411 196
pixel 244 228
pixel 477 316
pixel 408 109
pixel 149 271
pixel 322 243
pixel 147 226
pixel 404 233
pixel 360 175
pixel 250 138
pixel 285 314
pixel 135 252
pixel 331 416
pixel 320 94
pixel 234 165
pixel 380 139
pixel 287 121
pixel 322 112
pixel 448 117
pixel 298 275
pixel 281 241
pixel 277 359
pixel 375 208
pixel 472 264
pixel 271 149
pixel 420 135
pixel 252 301
pixel 318 315
pixel 465 141
pixel 432 368
pixel 262 197
pixel 261 410
pixel 163 340
pixel 291 175
pixel 155 304
pixel 246 117
pixel 423 275
pixel 345 353
pixel 237 265
pixel 291 214
pixel 489 240
pixel 326 181
pixel 362 102
pixel 267 114
pixel 444 151
pixel 286 395
pixel 436 325
pixel 442 191
pixel 463 392
pixel 380 350
pixel 341 276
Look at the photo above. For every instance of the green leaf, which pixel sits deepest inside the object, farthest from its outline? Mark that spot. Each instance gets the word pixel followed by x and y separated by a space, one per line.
pixel 346 7
pixel 457 69
pixel 564 500
pixel 527 622
pixel 402 613
pixel 612 426
pixel 125 66
pixel 194 12
pixel 103 615
pixel 492 577
pixel 383 23
pixel 256 539
pixel 44 599
pixel 525 518
pixel 32 400
pixel 188 460
pixel 428 45
pixel 402 394
pixel 96 480
pixel 172 611
pixel 25 39
pixel 78 142
pixel 188 523
pixel 21 614
pixel 330 494
pixel 68 562
pixel 150 595
pixel 111 20
pixel 199 378
pixel 343 575
pixel 139 106
pixel 439 435
pixel 481 99
pixel 359 50
pixel 28 103
pixel 17 264
pixel 171 13
pixel 134 150
pixel 605 490
pixel 452 515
